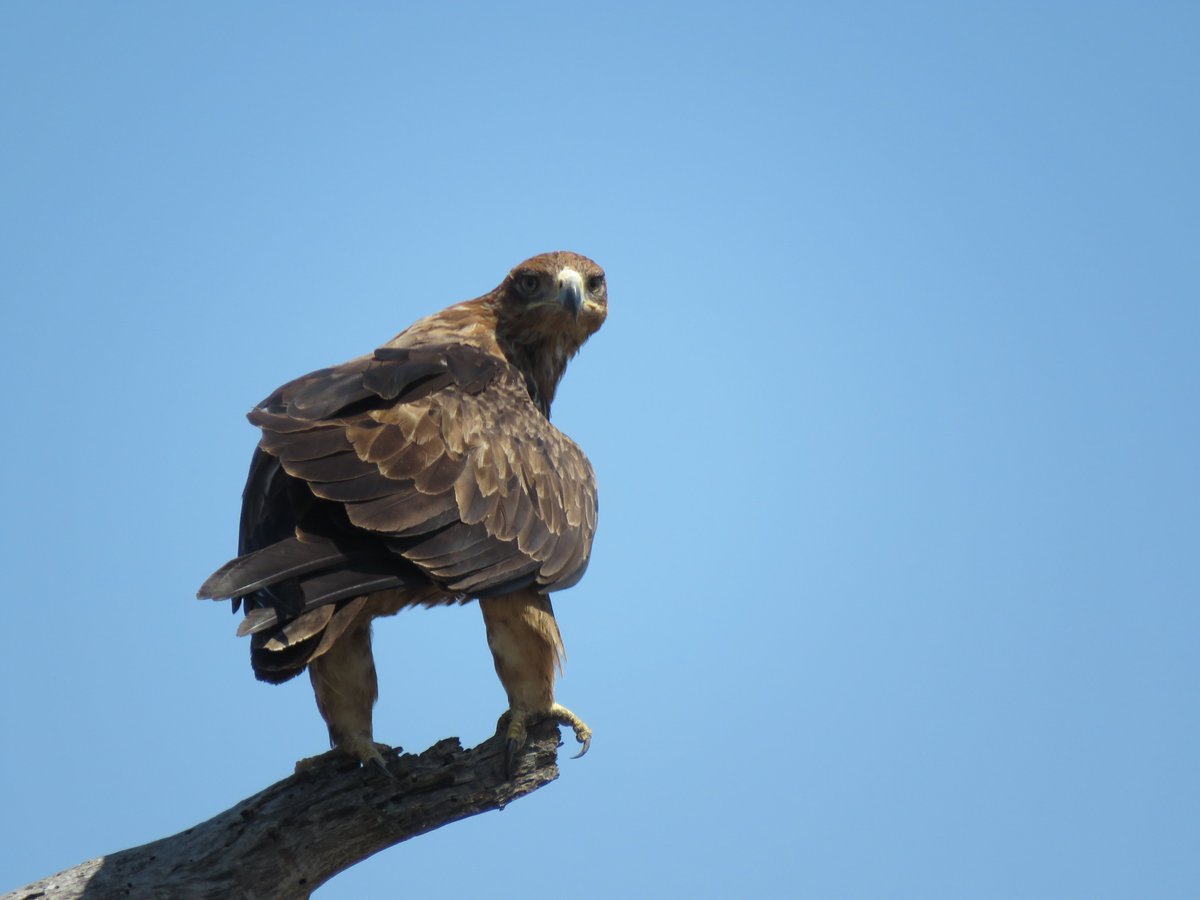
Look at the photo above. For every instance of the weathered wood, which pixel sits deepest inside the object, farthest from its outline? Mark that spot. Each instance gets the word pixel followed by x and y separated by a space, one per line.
pixel 285 841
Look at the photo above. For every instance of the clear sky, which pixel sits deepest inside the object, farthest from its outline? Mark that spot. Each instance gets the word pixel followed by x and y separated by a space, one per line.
pixel 895 419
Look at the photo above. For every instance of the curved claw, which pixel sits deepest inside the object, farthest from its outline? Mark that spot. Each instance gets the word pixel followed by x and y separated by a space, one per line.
pixel 379 761
pixel 587 742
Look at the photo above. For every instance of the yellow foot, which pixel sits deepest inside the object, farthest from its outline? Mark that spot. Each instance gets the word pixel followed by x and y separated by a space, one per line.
pixel 519 720
pixel 361 748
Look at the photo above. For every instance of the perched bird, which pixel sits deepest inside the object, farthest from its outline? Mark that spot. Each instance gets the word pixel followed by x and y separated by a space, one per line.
pixel 426 473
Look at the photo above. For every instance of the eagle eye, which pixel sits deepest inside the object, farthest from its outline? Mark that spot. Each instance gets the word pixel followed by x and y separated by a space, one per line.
pixel 527 284
pixel 595 283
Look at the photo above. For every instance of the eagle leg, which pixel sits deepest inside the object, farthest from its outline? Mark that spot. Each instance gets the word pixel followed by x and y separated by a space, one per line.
pixel 343 679
pixel 527 648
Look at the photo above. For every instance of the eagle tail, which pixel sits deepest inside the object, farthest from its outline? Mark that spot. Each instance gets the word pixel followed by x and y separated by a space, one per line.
pixel 300 595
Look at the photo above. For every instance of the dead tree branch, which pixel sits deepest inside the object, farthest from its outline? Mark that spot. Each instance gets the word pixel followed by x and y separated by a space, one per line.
pixel 284 842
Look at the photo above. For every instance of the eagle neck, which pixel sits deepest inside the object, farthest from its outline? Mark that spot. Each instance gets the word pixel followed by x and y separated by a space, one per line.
pixel 541 363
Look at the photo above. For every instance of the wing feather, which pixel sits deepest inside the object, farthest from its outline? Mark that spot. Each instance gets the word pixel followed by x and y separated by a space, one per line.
pixel 321 394
pixel 402 511
pixel 427 469
pixel 336 467
pixel 370 486
pixel 310 444
pixel 375 441
pixel 530 488
pixel 439 477
pixel 512 575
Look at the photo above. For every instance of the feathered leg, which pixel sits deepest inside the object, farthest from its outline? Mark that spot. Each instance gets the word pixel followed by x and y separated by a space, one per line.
pixel 344 681
pixel 527 648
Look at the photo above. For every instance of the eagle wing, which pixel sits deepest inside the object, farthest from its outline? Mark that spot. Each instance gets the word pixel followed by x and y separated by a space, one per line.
pixel 416 467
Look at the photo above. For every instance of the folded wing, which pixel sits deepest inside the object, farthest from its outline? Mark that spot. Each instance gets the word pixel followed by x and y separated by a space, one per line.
pixel 426 470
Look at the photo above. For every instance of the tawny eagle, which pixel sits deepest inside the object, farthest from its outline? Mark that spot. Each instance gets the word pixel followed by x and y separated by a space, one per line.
pixel 423 474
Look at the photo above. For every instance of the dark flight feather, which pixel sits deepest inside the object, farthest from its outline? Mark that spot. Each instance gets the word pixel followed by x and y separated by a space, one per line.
pixel 312 444
pixel 276 562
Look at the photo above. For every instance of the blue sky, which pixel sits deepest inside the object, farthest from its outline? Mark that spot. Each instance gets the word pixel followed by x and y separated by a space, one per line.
pixel 894 417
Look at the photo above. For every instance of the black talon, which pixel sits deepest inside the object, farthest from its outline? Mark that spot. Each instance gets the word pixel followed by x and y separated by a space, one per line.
pixel 386 771
pixel 510 757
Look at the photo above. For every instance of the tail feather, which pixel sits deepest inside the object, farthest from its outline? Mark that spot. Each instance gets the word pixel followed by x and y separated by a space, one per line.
pixel 322 590
pixel 289 558
pixel 276 658
pixel 301 593
pixel 306 626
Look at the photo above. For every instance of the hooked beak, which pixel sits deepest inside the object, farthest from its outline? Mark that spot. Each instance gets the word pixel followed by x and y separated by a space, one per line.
pixel 570 291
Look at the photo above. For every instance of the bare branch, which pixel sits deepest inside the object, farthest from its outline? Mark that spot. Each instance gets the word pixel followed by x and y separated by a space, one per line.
pixel 285 841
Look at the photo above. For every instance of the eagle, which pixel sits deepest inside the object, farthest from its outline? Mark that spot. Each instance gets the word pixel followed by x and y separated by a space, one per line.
pixel 426 473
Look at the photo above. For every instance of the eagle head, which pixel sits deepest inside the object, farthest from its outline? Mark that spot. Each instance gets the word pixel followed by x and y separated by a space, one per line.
pixel 545 309
pixel 559 292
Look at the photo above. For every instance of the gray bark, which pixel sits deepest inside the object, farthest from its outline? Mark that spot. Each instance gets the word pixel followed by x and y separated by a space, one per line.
pixel 285 841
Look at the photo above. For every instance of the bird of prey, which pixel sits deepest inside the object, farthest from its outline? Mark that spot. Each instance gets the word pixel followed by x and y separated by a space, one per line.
pixel 426 473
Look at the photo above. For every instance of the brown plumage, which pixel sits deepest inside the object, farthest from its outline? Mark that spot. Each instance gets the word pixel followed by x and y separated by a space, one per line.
pixel 425 473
